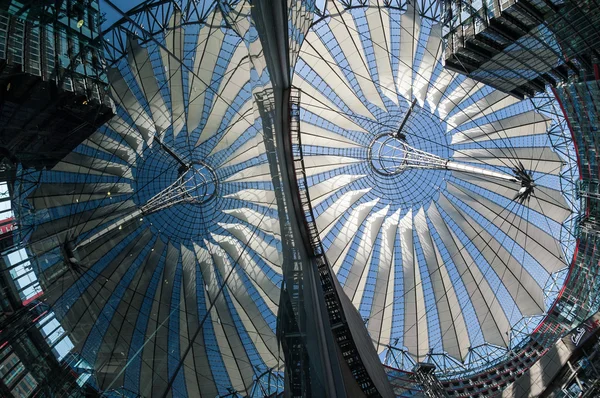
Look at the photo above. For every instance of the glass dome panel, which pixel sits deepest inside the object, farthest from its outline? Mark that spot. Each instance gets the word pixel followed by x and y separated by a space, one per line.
pixel 442 203
pixel 156 249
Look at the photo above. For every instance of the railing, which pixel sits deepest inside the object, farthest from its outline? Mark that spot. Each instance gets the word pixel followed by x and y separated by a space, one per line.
pixel 339 325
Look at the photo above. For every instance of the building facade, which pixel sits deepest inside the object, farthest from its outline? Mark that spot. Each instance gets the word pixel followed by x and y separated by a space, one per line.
pixel 520 46
pixel 53 86
pixel 53 80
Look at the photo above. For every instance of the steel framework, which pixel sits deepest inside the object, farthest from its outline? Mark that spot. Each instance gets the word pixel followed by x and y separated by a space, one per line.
pixel 153 16
pixel 390 155
pixel 195 185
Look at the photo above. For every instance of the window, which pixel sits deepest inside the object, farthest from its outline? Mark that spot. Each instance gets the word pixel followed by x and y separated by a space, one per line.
pixel 92 19
pixel 14 375
pixel 10 369
pixel 33 55
pixel 61 42
pixel 55 336
pixel 3 35
pixel 50 49
pixel 6 214
pixel 21 271
pixel 25 386
pixel 86 368
pixel 16 42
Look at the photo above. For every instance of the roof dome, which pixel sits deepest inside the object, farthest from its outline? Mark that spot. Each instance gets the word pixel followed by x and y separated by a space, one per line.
pixel 158 211
pixel 414 174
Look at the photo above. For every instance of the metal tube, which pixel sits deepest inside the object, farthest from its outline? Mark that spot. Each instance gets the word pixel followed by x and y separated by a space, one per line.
pixel 393 155
pixel 455 166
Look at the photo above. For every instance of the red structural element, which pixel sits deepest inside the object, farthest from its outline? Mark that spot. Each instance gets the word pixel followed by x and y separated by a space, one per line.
pixel 562 108
pixel 7 225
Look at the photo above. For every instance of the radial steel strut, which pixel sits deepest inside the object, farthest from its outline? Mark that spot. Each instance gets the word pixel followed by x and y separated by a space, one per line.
pixel 391 155
pixel 196 184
